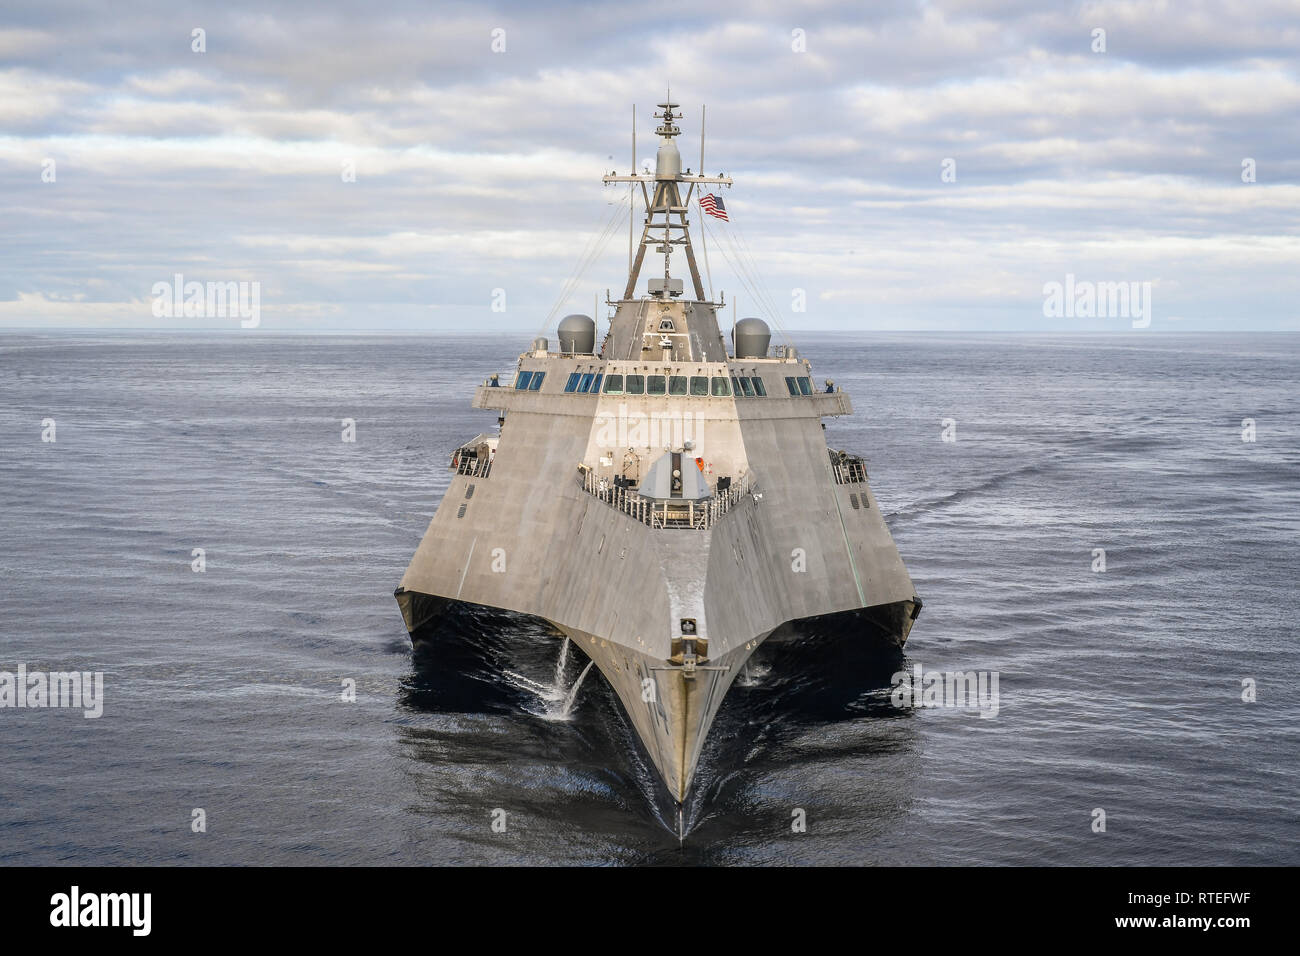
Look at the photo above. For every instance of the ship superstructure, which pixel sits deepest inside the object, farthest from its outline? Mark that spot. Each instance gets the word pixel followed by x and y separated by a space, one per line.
pixel 665 500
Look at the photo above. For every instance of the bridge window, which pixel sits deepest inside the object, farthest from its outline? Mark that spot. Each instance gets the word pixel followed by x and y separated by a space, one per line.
pixel 585 384
pixel 735 385
pixel 595 386
pixel 720 387
pixel 676 384
pixel 614 385
pixel 522 380
pixel 572 384
pixel 656 385
pixel 635 384
pixel 792 385
pixel 759 387
pixel 805 385
pixel 746 386
pixel 536 383
pixel 700 385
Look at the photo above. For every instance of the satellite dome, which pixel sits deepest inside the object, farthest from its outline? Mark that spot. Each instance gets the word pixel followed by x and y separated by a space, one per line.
pixel 751 338
pixel 577 334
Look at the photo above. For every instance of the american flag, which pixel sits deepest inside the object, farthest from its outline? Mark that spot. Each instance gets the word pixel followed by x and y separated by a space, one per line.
pixel 713 206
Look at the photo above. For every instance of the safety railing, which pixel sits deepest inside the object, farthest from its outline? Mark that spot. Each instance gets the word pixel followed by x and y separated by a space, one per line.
pixel 666 513
pixel 848 469
pixel 472 466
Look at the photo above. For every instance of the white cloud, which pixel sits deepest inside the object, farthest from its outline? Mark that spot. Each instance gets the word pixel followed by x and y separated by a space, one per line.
pixel 477 170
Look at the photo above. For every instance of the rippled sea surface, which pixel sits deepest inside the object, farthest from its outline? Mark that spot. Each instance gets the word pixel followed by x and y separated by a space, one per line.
pixel 1120 690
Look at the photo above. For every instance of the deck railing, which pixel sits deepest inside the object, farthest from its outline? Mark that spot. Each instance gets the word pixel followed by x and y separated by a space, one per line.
pixel 670 513
pixel 849 469
pixel 473 467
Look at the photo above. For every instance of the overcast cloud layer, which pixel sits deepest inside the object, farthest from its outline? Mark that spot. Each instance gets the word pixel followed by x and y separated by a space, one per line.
pixel 479 170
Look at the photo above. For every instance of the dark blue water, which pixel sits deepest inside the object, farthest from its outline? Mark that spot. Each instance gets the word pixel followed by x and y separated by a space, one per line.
pixel 1119 690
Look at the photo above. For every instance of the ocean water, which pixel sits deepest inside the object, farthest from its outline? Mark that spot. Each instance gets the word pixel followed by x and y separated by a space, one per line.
pixel 1118 690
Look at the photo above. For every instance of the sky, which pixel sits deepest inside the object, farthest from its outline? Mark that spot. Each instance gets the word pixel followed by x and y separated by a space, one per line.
pixel 897 165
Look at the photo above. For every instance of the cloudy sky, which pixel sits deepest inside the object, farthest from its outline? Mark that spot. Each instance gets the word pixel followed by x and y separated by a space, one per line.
pixel 478 169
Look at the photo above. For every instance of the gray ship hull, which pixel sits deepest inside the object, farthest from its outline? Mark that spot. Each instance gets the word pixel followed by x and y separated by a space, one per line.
pixel 528 538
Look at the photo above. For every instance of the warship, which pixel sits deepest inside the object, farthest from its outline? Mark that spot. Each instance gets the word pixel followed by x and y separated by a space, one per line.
pixel 665 501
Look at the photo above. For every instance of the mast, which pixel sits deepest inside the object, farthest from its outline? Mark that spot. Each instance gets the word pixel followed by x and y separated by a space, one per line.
pixel 631 197
pixel 666 225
